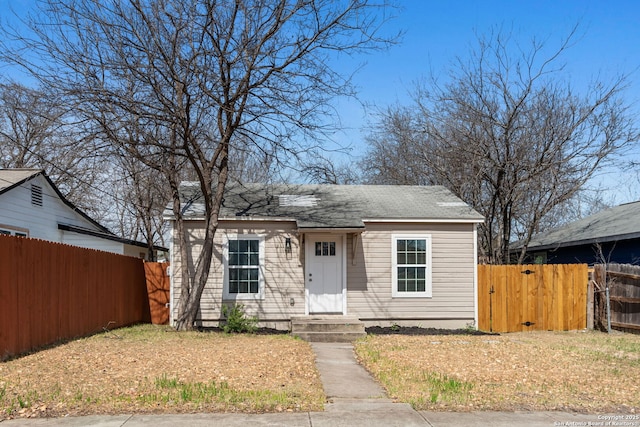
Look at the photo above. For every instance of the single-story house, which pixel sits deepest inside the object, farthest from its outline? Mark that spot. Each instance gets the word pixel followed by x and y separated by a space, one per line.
pixel 611 235
pixel 402 255
pixel 32 206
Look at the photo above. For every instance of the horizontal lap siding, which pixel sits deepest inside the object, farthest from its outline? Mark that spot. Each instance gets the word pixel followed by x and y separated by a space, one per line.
pixel 283 272
pixel 41 221
pixel 369 281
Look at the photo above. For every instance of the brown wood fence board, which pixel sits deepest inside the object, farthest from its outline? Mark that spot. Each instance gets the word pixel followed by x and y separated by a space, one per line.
pixel 483 309
pixel 8 293
pixel 549 279
pixel 158 291
pixel 551 297
pixel 623 281
pixel 561 297
pixel 513 303
pixel 581 298
pixel 531 311
pixel 500 295
pixel 51 292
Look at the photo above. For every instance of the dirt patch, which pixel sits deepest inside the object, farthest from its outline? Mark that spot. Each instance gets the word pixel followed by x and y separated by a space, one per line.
pixel 149 369
pixel 586 372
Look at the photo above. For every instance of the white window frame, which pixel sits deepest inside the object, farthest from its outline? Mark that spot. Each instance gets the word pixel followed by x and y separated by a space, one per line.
pixel 427 293
pixel 226 295
pixel 13 231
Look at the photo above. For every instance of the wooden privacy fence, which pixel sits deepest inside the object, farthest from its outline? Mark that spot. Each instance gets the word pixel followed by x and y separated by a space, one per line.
pixel 623 281
pixel 158 290
pixel 51 292
pixel 513 298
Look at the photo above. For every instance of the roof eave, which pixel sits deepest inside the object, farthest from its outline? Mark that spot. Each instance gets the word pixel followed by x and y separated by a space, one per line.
pixel 331 229
pixel 288 219
pixel 591 241
pixel 108 236
pixel 427 220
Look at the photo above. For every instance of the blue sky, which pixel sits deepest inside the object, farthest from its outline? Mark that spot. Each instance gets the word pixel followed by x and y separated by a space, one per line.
pixel 438 31
pixel 608 43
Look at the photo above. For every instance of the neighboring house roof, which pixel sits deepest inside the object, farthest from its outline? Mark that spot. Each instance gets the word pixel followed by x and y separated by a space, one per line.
pixel 12 178
pixel 612 224
pixel 332 206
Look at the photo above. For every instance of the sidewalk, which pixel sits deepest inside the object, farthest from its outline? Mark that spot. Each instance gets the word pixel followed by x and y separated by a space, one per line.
pixel 354 399
pixel 339 415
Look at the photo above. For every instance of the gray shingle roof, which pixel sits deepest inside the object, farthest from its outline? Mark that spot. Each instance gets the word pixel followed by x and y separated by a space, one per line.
pixel 332 206
pixel 617 223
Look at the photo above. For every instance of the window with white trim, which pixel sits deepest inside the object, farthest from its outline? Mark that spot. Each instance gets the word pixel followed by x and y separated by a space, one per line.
pixel 14 232
pixel 411 272
pixel 244 261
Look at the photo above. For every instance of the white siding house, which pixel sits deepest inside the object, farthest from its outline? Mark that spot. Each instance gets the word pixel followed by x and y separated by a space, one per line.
pixel 401 255
pixel 32 206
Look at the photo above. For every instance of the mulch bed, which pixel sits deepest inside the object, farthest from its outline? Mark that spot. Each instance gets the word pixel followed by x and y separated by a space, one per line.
pixel 380 330
pixel 259 331
pixel 414 330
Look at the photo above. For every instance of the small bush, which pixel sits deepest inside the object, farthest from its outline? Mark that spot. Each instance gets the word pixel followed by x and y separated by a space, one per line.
pixel 237 320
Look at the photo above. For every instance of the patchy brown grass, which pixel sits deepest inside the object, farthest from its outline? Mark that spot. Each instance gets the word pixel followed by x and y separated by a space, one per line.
pixel 149 369
pixel 577 371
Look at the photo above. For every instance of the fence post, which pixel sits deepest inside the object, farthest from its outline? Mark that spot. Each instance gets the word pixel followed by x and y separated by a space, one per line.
pixel 606 284
pixel 590 301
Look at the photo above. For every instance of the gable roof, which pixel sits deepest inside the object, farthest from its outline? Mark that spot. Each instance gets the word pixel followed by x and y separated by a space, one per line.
pixel 612 224
pixel 332 206
pixel 12 178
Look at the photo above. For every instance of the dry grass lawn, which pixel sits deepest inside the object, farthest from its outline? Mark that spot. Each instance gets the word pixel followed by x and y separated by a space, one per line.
pixel 575 371
pixel 149 369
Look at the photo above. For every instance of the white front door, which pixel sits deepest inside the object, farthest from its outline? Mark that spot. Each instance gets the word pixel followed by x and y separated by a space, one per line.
pixel 324 281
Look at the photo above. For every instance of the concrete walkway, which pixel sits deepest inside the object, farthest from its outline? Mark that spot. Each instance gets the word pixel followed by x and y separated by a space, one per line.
pixel 354 399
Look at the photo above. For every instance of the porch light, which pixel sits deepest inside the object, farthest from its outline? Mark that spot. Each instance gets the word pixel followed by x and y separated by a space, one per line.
pixel 287 245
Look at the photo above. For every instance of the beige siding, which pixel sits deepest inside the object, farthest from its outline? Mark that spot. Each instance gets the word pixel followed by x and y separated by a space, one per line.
pixel 283 279
pixel 369 287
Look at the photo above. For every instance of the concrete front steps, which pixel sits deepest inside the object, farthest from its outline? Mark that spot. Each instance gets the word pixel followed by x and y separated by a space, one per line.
pixel 327 328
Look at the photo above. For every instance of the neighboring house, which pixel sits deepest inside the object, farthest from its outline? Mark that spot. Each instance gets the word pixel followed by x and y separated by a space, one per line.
pixel 611 235
pixel 32 206
pixel 401 255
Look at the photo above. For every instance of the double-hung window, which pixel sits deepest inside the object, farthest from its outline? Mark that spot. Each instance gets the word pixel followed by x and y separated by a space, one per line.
pixel 244 261
pixel 411 274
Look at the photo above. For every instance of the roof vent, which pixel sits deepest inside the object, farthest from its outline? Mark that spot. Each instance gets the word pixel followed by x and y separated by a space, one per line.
pixel 299 200
pixel 36 195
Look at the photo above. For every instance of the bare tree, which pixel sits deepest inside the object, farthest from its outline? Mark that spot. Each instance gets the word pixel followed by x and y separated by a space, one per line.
pixel 197 77
pixel 36 132
pixel 323 170
pixel 396 150
pixel 138 201
pixel 507 135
